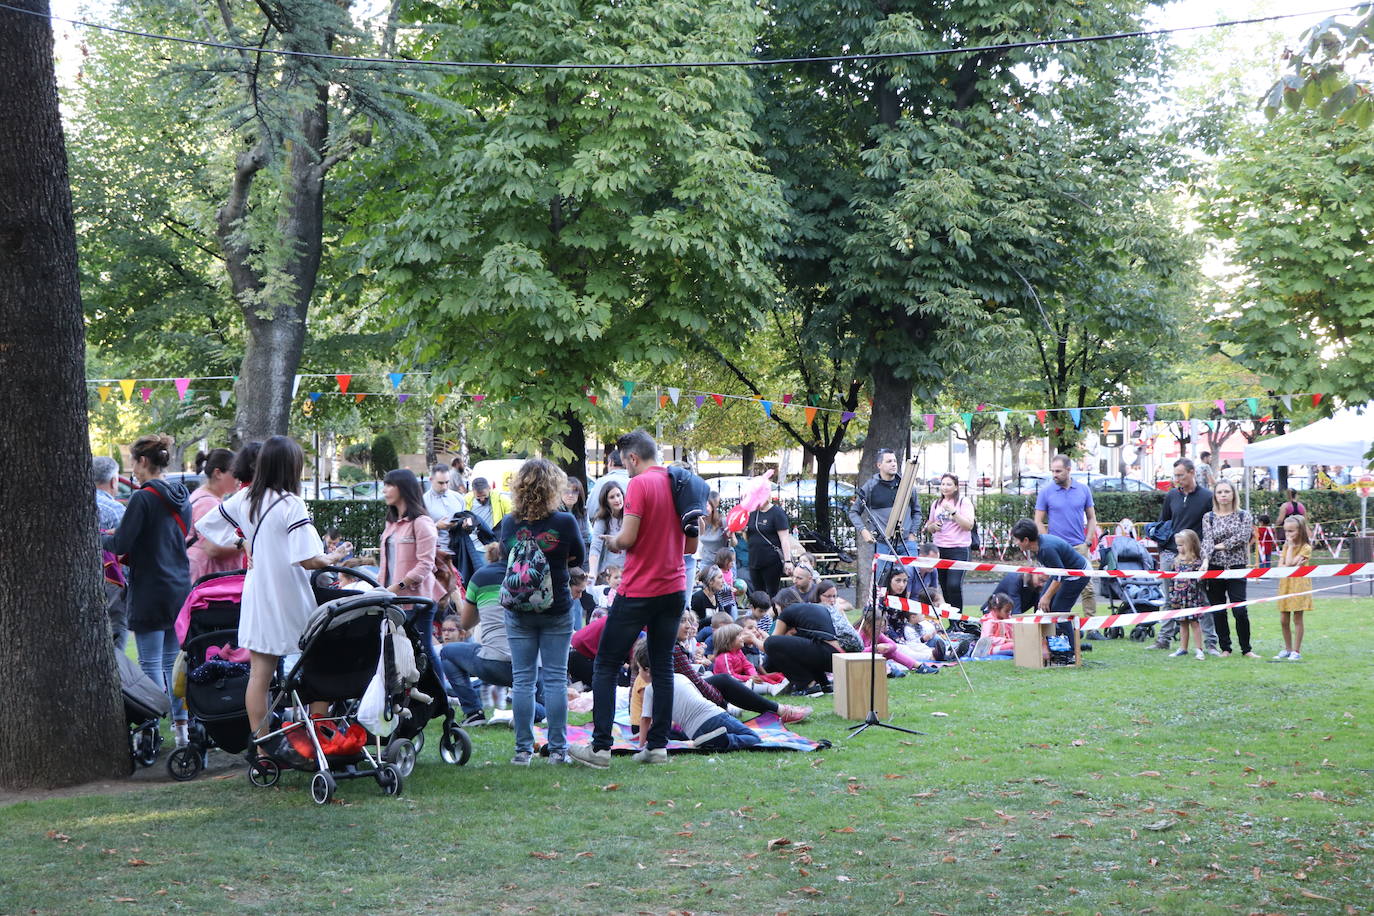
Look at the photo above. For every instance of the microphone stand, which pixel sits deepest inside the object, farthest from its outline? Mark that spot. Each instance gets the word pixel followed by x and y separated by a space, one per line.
pixel 872 718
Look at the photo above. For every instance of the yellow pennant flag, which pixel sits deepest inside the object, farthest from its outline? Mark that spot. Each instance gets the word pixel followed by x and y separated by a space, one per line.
pixel 127 386
pixel 1187 409
pixel 440 398
pixel 104 391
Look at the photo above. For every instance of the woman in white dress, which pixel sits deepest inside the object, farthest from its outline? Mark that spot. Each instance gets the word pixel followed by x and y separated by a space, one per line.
pixel 270 522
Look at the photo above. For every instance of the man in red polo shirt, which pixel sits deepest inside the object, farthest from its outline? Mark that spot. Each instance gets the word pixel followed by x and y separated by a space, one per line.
pixel 650 598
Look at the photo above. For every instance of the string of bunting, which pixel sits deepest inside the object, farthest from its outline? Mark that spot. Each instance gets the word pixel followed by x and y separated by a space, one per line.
pixel 810 405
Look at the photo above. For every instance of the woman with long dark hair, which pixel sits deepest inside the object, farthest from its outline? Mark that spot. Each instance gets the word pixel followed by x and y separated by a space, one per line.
pixel 408 553
pixel 606 520
pixel 220 483
pixel 951 523
pixel 270 522
pixel 153 535
pixel 575 504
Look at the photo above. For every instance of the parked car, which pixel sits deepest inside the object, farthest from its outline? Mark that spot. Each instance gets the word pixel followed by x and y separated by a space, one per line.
pixel 1101 483
pixel 799 491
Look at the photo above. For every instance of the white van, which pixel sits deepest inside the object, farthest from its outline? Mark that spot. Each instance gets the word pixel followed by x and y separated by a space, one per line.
pixel 498 472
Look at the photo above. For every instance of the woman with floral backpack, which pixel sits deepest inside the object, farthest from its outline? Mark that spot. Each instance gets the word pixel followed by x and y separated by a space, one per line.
pixel 539 542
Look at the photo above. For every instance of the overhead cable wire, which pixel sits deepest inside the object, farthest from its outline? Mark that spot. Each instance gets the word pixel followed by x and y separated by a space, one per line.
pixel 402 63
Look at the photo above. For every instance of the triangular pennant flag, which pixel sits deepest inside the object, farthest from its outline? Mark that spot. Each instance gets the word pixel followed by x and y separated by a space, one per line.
pixel 810 413
pixel 1002 418
pixel 1106 425
pixel 787 399
pixel 402 398
pixel 358 398
pixel 767 408
pixel 395 379
pixel 662 401
pixel 674 394
pixel 295 386
pixel 1115 411
pixel 1186 407
pixel 592 398
pixel 126 385
pixel 224 397
pixel 104 392
pixel 440 398
pixel 629 387
pixel 1076 415
pixel 1041 415
pixel 478 398
pixel 930 422
pixel 968 421
pixel 846 416
pixel 625 401
pixel 147 394
pixel 315 396
pixel 1253 404
pixel 1287 400
pixel 982 407
pixel 720 399
pixel 815 400
pixel 700 399
pixel 182 384
pixel 343 381
pixel 1316 399
pixel 1221 405
pixel 1150 411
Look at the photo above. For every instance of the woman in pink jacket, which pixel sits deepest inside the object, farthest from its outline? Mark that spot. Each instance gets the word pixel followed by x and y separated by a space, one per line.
pixel 409 542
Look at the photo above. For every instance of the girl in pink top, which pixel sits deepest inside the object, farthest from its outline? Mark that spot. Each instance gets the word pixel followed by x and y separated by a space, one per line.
pixel 730 659
pixel 951 522
pixel 996 638
pixel 205 556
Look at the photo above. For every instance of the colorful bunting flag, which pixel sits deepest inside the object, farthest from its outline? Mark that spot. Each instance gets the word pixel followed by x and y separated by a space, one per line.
pixel 1041 415
pixel 767 408
pixel 1316 399
pixel 629 387
pixel 1150 411
pixel 182 384
pixel 592 398
pixel 1253 404
pixel 1002 416
pixel 846 416
pixel 1076 414
pixel 662 401
pixel 720 399
pixel 358 398
pixel 402 398
pixel 343 381
pixel 787 399
pixel 440 398
pixel 1221 405
pixel 1187 408
pixel 1287 402
pixel 968 421
pixel 147 394
pixel 625 401
pixel 810 415
pixel 395 379
pixel 930 422
pixel 815 400
pixel 674 394
pixel 224 397
pixel 127 386
pixel 104 392
pixel 295 386
pixel 478 398
pixel 1114 411
pixel 315 396
pixel 700 399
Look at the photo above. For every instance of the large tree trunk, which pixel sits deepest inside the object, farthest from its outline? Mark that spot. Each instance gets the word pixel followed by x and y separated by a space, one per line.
pixel 889 427
pixel 61 712
pixel 746 460
pixel 575 441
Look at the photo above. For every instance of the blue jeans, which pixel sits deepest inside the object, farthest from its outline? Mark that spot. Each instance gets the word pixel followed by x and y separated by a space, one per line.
pixel 536 638
pixel 660 617
pixel 423 622
pixel 157 653
pixel 737 737
pixel 689 563
pixel 1064 598
pixel 462 664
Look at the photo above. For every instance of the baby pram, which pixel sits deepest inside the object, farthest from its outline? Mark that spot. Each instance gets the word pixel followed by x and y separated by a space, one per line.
pixel 216 673
pixel 145 706
pixel 1142 594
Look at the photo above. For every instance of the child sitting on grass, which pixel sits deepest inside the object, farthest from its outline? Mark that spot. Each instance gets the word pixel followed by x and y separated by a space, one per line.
pixel 730 659
pixel 1186 593
pixel 698 718
pixel 761 609
pixel 996 634
pixel 718 619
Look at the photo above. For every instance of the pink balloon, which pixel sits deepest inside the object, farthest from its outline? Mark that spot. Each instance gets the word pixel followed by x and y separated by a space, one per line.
pixel 757 492
pixel 736 519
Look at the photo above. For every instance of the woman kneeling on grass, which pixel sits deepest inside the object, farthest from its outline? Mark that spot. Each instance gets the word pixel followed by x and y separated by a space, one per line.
pixel 271 523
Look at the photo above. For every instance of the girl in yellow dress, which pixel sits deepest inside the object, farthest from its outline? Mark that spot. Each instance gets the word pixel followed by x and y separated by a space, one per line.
pixel 1296 592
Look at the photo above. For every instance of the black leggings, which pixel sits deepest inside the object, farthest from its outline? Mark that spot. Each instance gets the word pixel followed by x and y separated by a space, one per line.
pixel 801 660
pixel 1223 591
pixel 952 580
pixel 735 691
pixel 767 576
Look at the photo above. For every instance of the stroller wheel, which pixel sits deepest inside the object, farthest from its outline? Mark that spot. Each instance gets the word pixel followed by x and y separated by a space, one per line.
pixel 419 742
pixel 322 786
pixel 455 747
pixel 264 772
pixel 390 780
pixel 184 763
pixel 401 754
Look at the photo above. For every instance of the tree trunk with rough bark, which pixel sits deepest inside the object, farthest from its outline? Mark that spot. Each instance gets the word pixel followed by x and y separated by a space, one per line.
pixel 889 427
pixel 575 441
pixel 61 711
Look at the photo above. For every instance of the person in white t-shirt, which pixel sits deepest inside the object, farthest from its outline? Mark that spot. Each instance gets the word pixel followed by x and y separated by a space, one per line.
pixel 271 523
pixel 442 503
pixel 703 721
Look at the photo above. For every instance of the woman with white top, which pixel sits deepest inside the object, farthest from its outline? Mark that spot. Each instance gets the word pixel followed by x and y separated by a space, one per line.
pixel 270 522
pixel 606 522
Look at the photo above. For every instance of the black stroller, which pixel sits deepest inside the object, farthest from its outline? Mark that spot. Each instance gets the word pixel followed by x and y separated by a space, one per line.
pixel 1142 594
pixel 216 674
pixel 145 706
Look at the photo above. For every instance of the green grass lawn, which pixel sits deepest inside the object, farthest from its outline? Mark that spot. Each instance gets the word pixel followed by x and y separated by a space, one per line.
pixel 1137 783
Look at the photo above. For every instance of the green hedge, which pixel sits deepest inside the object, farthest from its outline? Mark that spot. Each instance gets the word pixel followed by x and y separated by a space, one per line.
pixel 1323 506
pixel 358 520
pixel 1004 509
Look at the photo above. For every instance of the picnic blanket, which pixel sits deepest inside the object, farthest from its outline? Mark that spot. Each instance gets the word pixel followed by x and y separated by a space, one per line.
pixel 774 735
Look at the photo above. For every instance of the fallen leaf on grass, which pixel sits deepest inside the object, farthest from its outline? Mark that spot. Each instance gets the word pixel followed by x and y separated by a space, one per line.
pixel 778 843
pixel 610 788
pixel 60 837
pixel 894 776
pixel 844 829
pixel 940 715
pixel 901 898
pixel 137 863
pixel 1158 826
pixel 1078 742
pixel 1151 773
pixel 543 855
pixel 1311 896
pixel 684 833
pixel 584 855
pixel 1061 836
pixel 126 900
pixel 813 891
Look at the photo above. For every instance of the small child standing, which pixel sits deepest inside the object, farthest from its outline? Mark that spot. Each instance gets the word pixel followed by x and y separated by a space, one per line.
pixel 730 659
pixel 1265 541
pixel 1297 591
pixel 1186 593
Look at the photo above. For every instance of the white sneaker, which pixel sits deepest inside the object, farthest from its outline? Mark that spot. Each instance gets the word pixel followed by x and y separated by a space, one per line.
pixel 1217 652
pixel 1282 655
pixel 1179 653
pixel 1294 657
pixel 180 735
pixel 656 755
pixel 779 687
pixel 583 754
pixel 1200 656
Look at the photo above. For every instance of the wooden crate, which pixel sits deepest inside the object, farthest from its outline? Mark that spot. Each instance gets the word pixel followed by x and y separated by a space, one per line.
pixel 1028 643
pixel 853 672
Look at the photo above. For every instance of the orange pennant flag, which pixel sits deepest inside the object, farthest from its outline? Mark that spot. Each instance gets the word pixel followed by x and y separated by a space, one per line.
pixel 343 381
pixel 810 415
pixel 358 398
pixel 662 401
pixel 1114 411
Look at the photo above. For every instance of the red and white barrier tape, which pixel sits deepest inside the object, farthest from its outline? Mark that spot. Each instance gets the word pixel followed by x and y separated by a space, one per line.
pixel 1272 572
pixel 1099 622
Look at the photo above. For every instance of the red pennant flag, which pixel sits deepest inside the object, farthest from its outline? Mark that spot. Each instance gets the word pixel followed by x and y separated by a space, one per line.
pixel 592 398
pixel 787 399
pixel 720 399
pixel 343 381
pixel 1040 415
pixel 1316 399
pixel 810 415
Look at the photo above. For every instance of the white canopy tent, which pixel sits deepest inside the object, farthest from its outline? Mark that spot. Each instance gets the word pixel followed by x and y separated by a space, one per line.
pixel 1344 438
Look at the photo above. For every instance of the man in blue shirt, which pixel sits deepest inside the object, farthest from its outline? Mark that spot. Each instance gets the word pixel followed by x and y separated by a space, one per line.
pixel 1065 509
pixel 1053 552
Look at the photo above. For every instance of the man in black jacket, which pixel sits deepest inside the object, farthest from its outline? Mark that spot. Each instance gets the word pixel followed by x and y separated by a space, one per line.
pixel 1184 505
pixel 879 495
